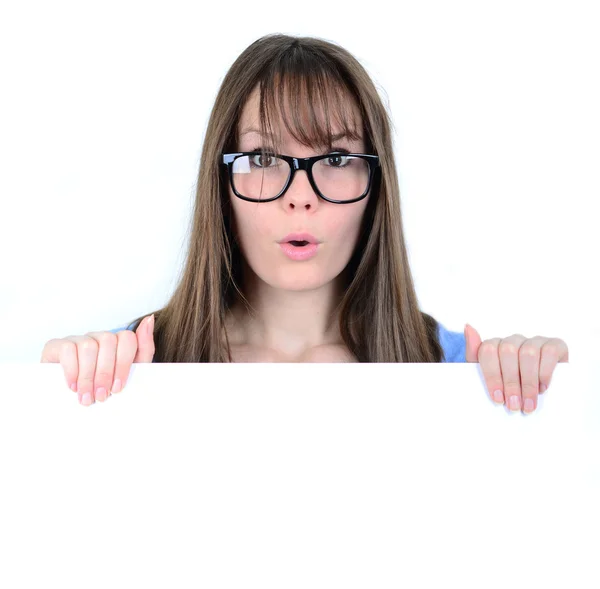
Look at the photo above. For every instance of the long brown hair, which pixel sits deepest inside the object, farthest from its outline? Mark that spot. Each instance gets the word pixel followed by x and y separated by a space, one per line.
pixel 380 320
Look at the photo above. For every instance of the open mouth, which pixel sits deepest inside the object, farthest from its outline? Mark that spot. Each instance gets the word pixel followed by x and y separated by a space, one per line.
pixel 299 250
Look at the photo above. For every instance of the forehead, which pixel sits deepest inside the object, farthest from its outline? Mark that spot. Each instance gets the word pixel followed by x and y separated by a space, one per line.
pixel 249 122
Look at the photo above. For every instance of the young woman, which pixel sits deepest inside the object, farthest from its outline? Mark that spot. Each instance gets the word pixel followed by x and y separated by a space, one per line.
pixel 297 249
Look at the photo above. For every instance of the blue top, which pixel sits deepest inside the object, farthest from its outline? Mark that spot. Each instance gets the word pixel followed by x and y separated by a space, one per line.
pixel 453 343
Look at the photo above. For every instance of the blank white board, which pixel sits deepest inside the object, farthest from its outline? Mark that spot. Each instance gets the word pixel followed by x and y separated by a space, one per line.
pixel 297 475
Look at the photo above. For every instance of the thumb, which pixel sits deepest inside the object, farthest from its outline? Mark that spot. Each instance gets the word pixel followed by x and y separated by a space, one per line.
pixel 473 341
pixel 145 337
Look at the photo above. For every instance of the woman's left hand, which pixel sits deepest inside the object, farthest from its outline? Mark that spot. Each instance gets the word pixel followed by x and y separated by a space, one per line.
pixel 515 366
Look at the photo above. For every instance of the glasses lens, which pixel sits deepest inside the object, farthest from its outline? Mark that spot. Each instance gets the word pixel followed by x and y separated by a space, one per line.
pixel 341 177
pixel 337 176
pixel 260 176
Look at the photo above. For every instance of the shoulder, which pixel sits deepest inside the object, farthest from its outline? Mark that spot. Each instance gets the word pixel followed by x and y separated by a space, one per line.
pixel 453 344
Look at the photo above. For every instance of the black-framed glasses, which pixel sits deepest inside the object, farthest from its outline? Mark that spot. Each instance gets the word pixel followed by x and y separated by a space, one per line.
pixel 337 177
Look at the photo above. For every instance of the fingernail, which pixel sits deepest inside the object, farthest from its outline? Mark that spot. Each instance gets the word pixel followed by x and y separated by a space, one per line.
pixel 100 394
pixel 74 387
pixel 150 326
pixel 528 405
pixel 514 403
pixel 87 399
pixel 498 397
pixel 116 386
pixel 543 388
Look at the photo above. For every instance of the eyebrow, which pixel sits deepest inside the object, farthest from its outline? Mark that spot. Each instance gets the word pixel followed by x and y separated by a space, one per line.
pixel 252 130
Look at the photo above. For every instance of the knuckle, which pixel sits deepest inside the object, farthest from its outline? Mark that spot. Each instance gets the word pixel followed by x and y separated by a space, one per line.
pixel 126 336
pixel 512 385
pixel 528 350
pixel 84 380
pixel 65 345
pixel 106 337
pixel 495 381
pixel 550 348
pixel 488 347
pixel 89 345
pixel 47 351
pixel 507 348
pixel 529 389
pixel 103 376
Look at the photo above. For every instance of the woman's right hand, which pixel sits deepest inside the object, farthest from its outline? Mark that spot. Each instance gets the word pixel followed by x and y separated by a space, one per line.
pixel 101 360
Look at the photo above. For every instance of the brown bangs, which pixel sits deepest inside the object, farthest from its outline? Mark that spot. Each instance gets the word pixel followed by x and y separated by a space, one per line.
pixel 310 99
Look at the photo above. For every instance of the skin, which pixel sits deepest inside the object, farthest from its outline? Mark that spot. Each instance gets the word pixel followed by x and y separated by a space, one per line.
pixel 518 367
pixel 292 300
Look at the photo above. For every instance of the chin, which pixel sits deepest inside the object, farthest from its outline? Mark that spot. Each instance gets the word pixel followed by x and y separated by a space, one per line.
pixel 290 275
pixel 297 278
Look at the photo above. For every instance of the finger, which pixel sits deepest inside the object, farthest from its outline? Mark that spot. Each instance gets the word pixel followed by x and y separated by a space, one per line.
pixel 553 351
pixel 126 351
pixel 145 339
pixel 473 341
pixel 51 351
pixel 508 350
pixel 529 366
pixel 105 363
pixel 63 350
pixel 489 362
pixel 87 353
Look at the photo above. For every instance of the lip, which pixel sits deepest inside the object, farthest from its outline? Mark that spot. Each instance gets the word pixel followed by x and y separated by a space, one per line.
pixel 299 237
pixel 299 253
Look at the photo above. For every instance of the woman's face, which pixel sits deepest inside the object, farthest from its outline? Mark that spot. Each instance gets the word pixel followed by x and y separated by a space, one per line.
pixel 261 226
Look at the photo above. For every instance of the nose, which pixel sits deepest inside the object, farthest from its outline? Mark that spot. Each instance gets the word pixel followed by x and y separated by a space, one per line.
pixel 300 193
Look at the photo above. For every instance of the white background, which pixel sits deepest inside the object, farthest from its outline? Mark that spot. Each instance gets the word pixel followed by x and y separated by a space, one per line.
pixel 103 111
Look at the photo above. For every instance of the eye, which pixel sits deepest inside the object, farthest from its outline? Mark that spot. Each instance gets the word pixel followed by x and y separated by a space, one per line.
pixel 266 160
pixel 263 161
pixel 336 160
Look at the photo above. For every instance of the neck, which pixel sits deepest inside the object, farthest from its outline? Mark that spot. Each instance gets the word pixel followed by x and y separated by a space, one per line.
pixel 288 321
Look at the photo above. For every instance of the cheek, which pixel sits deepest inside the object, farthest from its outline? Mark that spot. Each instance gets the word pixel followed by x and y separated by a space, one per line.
pixel 258 227
pixel 344 228
pixel 253 225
